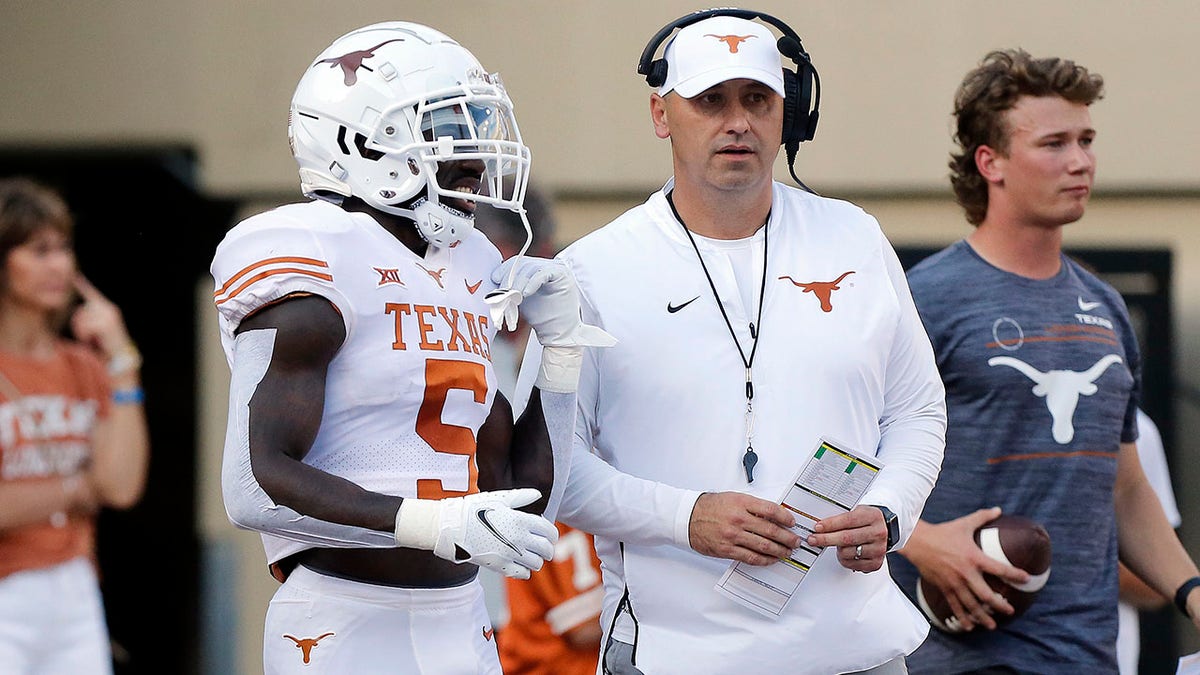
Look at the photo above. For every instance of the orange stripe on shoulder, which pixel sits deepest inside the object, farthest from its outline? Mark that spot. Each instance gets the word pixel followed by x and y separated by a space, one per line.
pixel 269 261
pixel 269 273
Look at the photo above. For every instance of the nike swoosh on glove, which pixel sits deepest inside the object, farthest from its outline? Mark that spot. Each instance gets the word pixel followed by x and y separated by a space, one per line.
pixel 483 528
pixel 546 292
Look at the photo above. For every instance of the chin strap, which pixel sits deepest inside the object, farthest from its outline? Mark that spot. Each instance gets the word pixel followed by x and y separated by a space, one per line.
pixel 437 223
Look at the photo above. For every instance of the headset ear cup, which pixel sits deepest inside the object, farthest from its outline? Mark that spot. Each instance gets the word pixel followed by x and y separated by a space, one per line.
pixel 808 118
pixel 793 128
pixel 657 74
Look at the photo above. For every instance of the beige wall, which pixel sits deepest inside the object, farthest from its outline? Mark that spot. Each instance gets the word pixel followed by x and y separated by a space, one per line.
pixel 219 74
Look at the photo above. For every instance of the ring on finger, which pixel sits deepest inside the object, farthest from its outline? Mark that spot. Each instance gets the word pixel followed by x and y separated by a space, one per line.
pixel 858 552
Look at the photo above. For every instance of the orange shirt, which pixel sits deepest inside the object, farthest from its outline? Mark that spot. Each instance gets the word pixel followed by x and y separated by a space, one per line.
pixel 564 594
pixel 45 433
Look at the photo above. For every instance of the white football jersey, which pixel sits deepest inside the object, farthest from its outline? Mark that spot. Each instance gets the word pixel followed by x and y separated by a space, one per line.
pixel 413 381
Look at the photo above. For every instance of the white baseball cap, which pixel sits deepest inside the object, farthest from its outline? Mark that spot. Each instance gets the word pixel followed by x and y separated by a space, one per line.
pixel 721 48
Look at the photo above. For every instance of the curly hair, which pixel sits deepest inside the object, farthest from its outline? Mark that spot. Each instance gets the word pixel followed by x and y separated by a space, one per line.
pixel 990 90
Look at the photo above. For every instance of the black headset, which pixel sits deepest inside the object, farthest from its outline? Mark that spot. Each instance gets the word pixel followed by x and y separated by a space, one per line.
pixel 802 87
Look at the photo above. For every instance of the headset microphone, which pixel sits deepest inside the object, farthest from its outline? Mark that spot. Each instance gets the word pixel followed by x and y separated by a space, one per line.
pixel 789 47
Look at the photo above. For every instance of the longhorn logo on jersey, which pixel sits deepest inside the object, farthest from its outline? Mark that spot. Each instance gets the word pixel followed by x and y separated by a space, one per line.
pixel 436 275
pixel 1061 389
pixel 350 63
pixel 731 40
pixel 306 645
pixel 822 289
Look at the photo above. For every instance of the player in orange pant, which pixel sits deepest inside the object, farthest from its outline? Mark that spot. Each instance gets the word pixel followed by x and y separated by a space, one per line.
pixel 554 623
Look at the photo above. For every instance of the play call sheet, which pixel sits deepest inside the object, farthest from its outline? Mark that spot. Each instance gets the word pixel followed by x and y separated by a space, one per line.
pixel 831 481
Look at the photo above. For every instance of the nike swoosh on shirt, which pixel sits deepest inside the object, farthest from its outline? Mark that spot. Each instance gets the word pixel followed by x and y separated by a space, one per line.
pixel 675 308
pixel 1087 306
pixel 471 288
pixel 482 516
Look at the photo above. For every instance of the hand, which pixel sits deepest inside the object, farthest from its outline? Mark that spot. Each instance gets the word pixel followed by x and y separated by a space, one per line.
pixel 547 294
pixel 860 536
pixel 97 322
pixel 947 557
pixel 482 528
pixel 740 527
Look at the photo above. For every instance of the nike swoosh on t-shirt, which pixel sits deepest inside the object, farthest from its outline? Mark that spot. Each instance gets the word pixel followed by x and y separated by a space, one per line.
pixel 1087 306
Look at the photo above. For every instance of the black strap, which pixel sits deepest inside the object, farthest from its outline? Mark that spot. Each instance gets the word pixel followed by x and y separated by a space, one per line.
pixel 755 331
pixel 1181 595
pixel 749 458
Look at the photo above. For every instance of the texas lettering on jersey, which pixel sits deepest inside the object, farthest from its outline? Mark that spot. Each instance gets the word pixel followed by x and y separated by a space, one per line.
pixel 434 328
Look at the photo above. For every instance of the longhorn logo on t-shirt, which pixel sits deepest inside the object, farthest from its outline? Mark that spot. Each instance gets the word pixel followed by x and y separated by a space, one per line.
pixel 350 63
pixel 1061 389
pixel 731 40
pixel 306 645
pixel 822 289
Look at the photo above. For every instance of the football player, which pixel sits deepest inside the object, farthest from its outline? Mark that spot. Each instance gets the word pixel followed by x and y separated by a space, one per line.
pixel 366 438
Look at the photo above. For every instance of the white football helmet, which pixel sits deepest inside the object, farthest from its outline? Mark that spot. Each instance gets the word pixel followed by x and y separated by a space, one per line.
pixel 379 110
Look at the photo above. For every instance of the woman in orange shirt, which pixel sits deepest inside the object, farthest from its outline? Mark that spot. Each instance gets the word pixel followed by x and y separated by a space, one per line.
pixel 73 438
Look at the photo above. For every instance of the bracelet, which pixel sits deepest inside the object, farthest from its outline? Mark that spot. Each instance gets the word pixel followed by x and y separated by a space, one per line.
pixel 130 359
pixel 1181 595
pixel 130 395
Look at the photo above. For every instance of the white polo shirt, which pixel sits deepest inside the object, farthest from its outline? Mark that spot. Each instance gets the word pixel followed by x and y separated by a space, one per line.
pixel 841 354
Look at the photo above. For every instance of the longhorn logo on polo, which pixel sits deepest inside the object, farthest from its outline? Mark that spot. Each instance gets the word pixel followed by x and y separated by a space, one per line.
pixel 822 289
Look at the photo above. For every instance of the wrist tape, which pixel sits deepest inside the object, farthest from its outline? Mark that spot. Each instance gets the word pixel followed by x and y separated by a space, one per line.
pixel 559 370
pixel 418 523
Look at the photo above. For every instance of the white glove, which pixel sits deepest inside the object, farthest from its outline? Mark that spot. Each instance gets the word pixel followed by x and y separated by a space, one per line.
pixel 546 292
pixel 483 528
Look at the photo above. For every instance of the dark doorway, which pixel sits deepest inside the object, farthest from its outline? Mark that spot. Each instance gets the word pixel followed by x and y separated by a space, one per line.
pixel 144 236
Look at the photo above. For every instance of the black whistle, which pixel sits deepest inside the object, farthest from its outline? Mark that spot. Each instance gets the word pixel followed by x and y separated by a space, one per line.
pixel 748 461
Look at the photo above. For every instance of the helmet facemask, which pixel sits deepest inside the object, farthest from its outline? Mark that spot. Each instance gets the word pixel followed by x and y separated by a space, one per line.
pixel 473 126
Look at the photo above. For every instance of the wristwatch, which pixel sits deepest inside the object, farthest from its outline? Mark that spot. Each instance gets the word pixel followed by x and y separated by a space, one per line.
pixel 893 526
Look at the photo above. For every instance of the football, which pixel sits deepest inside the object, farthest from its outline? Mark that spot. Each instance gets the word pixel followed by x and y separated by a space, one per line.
pixel 1016 540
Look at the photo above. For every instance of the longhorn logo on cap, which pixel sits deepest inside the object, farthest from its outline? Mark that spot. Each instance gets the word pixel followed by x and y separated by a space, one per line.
pixel 732 40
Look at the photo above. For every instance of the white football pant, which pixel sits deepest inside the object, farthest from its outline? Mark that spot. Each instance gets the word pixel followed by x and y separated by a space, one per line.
pixel 322 624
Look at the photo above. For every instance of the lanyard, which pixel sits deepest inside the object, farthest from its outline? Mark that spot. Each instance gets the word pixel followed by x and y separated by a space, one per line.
pixel 749 457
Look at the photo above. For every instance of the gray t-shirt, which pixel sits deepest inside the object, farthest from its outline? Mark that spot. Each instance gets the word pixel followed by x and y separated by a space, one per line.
pixel 1042 378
